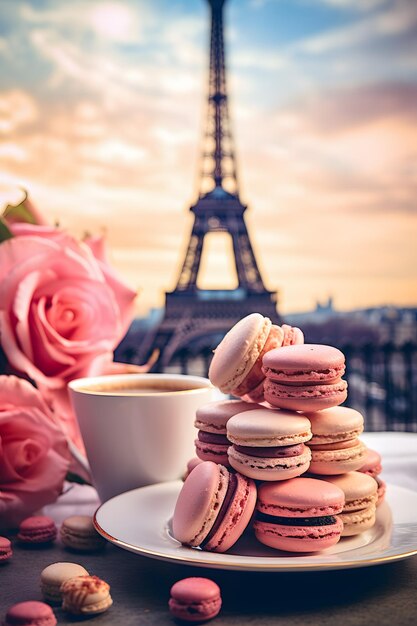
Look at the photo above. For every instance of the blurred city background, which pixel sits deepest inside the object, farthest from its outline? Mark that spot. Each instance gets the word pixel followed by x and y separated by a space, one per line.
pixel 115 116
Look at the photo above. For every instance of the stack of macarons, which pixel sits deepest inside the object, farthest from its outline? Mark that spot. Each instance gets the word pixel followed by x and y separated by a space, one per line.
pixel 287 453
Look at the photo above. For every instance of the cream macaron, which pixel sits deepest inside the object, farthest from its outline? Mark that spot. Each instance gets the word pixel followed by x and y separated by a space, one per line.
pixel 268 444
pixel 335 447
pixel 361 495
pixel 85 595
pixel 236 367
pixel 54 575
pixel 78 533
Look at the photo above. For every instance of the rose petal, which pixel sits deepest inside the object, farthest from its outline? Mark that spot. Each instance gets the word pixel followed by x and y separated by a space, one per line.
pixel 34 455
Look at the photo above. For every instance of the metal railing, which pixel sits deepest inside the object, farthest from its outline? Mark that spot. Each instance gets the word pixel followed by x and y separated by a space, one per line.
pixel 382 381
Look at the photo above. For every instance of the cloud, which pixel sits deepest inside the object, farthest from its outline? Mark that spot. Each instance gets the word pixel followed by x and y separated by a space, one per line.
pixel 391 21
pixel 356 5
pixel 113 21
pixel 341 109
pixel 17 108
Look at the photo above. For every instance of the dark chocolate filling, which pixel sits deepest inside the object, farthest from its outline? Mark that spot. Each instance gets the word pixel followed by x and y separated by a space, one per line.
pixel 296 521
pixel 230 494
pixel 275 452
pixel 212 438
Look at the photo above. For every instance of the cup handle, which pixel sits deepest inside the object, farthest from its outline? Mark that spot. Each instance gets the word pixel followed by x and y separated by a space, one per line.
pixel 79 463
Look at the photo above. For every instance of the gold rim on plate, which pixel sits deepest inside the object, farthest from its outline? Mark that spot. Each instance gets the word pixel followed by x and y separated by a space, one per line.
pixel 230 565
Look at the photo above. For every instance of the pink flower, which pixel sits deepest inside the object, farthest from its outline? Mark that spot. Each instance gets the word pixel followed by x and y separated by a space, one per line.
pixel 62 311
pixel 97 244
pixel 34 456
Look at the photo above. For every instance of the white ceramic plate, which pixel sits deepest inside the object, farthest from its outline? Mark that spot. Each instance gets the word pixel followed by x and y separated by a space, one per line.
pixel 139 521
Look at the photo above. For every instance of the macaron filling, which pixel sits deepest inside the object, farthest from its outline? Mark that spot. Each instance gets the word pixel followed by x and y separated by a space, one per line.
pixel 333 459
pixel 228 498
pixel 213 428
pixel 306 391
pixel 360 503
pixel 272 452
pixel 214 438
pixel 247 461
pixel 328 374
pixel 336 444
pixel 326 520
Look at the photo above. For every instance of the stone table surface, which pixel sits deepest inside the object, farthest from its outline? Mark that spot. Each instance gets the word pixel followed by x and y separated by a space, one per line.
pixel 384 594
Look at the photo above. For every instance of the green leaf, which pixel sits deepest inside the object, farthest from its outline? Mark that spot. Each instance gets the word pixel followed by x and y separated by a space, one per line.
pixel 74 478
pixel 20 212
pixel 5 232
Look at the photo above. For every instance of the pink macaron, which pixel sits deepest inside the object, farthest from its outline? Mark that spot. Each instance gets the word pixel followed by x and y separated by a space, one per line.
pixel 382 489
pixel 371 464
pixel 37 530
pixel 304 377
pixel 6 551
pixel 192 463
pixel 269 445
pixel 211 420
pixel 31 613
pixel 373 467
pixel 335 447
pixel 213 508
pixel 361 494
pixel 293 336
pixel 236 367
pixel 195 599
pixel 299 515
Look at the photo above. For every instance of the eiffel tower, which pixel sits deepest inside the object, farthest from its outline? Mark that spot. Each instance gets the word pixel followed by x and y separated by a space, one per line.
pixel 195 319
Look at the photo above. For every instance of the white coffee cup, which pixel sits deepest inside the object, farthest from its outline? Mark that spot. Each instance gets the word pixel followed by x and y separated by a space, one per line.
pixel 138 429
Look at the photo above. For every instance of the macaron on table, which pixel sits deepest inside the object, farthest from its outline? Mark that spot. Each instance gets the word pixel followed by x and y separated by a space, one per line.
pixel 195 599
pixel 38 529
pixel 54 575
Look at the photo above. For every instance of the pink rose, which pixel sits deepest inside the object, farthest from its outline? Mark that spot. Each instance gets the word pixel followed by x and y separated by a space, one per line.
pixel 97 244
pixel 34 456
pixel 62 311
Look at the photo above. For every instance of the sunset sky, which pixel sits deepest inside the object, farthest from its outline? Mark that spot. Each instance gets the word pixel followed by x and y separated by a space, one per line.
pixel 102 106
